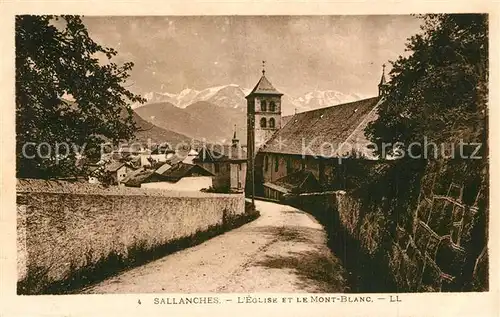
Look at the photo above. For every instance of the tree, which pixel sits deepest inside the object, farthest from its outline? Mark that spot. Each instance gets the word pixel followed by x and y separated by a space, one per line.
pixel 440 90
pixel 56 57
pixel 439 93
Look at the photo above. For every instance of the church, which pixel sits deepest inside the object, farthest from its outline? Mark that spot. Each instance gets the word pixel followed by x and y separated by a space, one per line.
pixel 304 152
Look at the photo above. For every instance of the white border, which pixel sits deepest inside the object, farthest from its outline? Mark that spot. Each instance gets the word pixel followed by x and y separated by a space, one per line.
pixel 425 304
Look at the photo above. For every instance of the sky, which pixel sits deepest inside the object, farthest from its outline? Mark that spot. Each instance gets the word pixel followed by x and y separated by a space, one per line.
pixel 302 53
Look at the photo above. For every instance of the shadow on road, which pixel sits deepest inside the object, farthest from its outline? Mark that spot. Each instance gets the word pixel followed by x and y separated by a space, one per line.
pixel 317 269
pixel 286 233
pixel 317 272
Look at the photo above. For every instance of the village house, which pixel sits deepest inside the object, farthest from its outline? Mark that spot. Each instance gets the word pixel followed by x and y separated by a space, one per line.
pixel 112 172
pixel 117 171
pixel 158 154
pixel 307 152
pixel 227 162
pixel 179 177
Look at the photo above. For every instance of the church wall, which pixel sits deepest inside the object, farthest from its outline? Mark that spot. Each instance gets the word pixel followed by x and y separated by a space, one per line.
pixel 296 162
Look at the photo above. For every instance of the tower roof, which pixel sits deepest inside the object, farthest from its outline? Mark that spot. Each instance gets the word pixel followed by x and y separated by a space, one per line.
pixel 382 79
pixel 234 136
pixel 264 87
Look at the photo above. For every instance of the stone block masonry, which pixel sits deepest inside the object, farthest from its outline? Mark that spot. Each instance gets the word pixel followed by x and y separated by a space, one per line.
pixel 65 229
pixel 441 247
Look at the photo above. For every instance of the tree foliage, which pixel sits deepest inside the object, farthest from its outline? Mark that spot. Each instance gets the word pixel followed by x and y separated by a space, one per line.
pixel 56 57
pixel 439 91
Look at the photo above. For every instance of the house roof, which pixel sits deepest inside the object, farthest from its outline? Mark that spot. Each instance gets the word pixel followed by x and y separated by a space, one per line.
pixel 276 187
pixel 137 177
pixel 299 180
pixel 219 153
pixel 176 158
pixel 163 168
pixel 322 131
pixel 113 166
pixel 180 170
pixel 94 167
pixel 264 87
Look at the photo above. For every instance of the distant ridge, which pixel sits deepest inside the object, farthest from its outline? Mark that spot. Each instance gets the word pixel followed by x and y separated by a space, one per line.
pixel 212 113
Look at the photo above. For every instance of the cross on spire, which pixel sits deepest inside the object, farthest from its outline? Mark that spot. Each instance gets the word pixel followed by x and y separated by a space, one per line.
pixel 263 68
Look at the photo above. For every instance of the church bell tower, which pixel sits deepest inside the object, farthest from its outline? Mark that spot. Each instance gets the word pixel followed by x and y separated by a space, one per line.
pixel 263 114
pixel 263 120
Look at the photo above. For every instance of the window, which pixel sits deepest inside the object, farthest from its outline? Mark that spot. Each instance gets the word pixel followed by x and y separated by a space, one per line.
pixel 263 105
pixel 263 122
pixel 303 164
pixel 272 123
pixel 239 166
pixel 289 165
pixel 276 164
pixel 216 168
pixel 266 163
pixel 272 106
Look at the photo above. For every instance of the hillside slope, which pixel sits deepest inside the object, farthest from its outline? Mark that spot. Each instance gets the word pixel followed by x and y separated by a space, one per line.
pixel 154 134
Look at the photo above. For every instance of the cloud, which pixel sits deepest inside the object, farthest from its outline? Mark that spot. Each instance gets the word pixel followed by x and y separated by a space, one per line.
pixel 342 53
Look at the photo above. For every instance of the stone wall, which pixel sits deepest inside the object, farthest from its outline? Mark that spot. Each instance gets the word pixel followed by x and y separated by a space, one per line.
pixel 442 248
pixel 65 228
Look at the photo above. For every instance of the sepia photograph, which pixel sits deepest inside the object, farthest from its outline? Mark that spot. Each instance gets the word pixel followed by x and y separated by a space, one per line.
pixel 316 154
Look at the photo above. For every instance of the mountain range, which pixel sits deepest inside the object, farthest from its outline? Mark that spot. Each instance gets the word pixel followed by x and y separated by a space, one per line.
pixel 212 113
pixel 150 132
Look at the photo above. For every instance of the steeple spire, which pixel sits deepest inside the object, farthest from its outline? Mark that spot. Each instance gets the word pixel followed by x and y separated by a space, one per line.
pixel 264 87
pixel 235 140
pixel 383 83
pixel 382 79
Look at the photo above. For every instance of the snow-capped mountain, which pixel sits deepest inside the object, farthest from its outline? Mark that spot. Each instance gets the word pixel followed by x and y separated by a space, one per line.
pixel 233 96
pixel 212 113
pixel 320 99
pixel 227 96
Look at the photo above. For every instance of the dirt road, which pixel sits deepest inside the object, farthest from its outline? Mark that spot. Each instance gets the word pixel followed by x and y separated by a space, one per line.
pixel 284 250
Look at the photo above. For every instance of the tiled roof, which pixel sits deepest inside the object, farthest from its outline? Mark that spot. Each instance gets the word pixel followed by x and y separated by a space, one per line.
pixel 264 86
pixel 322 131
pixel 180 170
pixel 114 166
pixel 298 182
pixel 163 168
pixel 301 180
pixel 277 188
pixel 137 177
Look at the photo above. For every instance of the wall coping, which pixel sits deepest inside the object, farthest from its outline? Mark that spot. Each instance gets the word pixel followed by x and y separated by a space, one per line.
pixel 81 188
